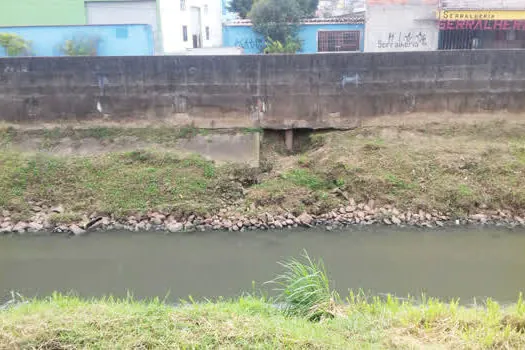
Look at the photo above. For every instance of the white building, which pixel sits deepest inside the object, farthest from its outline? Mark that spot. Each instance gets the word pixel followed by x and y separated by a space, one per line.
pixel 190 24
pixel 409 25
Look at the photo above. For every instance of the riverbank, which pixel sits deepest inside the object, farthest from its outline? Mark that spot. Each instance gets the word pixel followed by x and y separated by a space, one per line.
pixel 307 313
pixel 419 171
pixel 68 322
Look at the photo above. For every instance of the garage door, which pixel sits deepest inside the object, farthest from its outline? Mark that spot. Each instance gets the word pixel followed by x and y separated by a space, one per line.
pixel 124 12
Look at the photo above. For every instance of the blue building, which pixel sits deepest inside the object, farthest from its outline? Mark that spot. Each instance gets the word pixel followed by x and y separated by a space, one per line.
pixel 339 34
pixel 112 40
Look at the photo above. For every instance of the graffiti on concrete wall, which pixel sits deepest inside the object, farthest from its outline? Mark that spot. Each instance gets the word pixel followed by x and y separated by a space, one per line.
pixel 16 69
pixel 250 43
pixel 258 107
pixel 350 79
pixel 404 40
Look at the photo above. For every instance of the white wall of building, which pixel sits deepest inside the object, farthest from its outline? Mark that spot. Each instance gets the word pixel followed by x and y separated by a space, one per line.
pixel 396 27
pixel 173 17
pixel 125 12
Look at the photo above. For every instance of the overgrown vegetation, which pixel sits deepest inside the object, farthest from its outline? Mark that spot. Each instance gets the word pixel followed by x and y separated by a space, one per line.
pixel 65 322
pixel 14 45
pixel 291 45
pixel 118 183
pixel 457 167
pixel 277 21
pixel 81 46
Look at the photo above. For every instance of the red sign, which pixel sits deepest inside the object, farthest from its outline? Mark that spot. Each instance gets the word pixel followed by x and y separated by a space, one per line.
pixel 482 25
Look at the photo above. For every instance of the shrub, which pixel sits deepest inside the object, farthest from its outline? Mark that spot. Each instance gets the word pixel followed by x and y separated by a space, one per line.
pixel 81 46
pixel 15 45
pixel 291 45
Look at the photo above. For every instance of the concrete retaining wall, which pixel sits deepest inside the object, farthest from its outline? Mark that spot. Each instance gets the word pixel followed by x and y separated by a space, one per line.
pixel 281 91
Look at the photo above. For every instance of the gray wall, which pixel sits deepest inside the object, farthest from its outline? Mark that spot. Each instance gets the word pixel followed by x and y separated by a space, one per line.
pixel 315 91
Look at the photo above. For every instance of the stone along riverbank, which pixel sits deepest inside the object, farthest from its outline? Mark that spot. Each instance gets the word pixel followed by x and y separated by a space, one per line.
pixel 354 214
pixel 426 171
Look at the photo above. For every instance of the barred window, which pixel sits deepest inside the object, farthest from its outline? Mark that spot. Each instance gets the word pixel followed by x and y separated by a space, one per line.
pixel 338 40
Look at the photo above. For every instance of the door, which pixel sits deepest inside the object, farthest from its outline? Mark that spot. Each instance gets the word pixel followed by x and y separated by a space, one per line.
pixel 195 27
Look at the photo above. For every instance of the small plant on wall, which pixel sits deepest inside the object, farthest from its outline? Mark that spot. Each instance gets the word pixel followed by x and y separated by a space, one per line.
pixel 14 45
pixel 291 45
pixel 81 46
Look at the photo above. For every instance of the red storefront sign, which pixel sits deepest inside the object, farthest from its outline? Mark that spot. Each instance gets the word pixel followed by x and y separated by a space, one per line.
pixel 482 25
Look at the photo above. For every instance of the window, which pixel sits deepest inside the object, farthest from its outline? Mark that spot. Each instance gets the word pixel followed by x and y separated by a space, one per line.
pixel 338 40
pixel 207 33
pixel 183 5
pixel 122 32
pixel 185 33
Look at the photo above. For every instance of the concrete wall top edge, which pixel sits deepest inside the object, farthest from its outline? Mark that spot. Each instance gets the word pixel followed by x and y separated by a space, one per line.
pixel 453 53
pixel 276 91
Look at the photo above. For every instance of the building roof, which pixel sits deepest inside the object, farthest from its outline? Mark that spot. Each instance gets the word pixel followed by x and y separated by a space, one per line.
pixel 355 19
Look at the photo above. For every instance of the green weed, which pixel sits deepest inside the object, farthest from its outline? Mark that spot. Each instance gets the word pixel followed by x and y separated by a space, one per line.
pixel 252 130
pixel 303 177
pixel 188 132
pixel 464 190
pixel 398 183
pixel 305 289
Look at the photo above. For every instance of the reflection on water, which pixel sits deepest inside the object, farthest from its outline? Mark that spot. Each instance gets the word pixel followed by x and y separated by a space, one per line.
pixel 465 264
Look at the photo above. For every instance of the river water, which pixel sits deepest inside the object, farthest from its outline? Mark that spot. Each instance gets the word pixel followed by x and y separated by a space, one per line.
pixel 452 263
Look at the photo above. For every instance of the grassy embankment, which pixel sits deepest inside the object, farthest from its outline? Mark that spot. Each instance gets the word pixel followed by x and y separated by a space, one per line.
pixel 314 319
pixel 458 167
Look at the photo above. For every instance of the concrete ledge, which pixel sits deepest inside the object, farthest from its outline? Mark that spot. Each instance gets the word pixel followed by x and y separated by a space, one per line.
pixel 270 91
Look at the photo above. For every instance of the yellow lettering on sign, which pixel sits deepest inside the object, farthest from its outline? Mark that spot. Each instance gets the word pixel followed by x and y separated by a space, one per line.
pixel 485 15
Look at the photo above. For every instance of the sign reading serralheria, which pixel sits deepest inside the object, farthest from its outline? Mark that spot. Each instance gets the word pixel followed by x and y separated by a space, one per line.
pixel 488 15
pixel 482 25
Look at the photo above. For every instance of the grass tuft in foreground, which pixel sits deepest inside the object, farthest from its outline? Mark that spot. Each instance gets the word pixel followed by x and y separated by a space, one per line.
pixel 305 290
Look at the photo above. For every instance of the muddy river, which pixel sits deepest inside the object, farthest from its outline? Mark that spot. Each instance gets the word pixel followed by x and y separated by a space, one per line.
pixel 462 263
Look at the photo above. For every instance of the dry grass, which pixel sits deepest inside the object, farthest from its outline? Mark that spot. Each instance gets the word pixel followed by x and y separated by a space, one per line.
pixel 456 167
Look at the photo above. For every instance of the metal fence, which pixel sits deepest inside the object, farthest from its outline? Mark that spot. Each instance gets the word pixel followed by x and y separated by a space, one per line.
pixel 479 39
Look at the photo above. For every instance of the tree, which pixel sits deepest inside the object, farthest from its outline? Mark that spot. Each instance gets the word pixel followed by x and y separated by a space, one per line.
pixel 276 19
pixel 309 7
pixel 240 7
